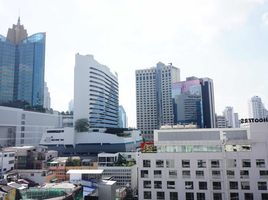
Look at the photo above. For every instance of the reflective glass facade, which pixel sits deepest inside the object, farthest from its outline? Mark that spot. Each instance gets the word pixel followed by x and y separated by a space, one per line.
pixel 22 69
pixel 187 100
pixel 7 70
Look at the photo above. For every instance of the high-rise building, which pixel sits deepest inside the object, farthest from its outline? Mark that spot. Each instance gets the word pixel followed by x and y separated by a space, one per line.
pixel 194 102
pixel 46 97
pixel 71 106
pixel 122 117
pixel 236 121
pixel 221 122
pixel 95 93
pixel 229 116
pixel 256 108
pixel 208 102
pixel 232 120
pixel 154 98
pixel 22 64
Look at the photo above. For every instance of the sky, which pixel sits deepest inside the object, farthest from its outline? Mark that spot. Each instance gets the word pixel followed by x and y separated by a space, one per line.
pixel 225 40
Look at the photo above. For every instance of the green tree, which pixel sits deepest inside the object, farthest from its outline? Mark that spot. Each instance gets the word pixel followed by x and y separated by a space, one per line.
pixel 81 125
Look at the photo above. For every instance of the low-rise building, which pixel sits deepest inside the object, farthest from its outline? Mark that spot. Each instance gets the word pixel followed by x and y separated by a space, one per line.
pixel 206 164
pixel 31 157
pixel 93 184
pixel 120 167
pixel 61 165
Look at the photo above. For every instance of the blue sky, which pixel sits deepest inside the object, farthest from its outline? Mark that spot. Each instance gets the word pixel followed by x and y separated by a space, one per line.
pixel 225 40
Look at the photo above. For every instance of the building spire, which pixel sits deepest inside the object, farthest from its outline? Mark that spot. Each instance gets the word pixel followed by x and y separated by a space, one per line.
pixel 18 21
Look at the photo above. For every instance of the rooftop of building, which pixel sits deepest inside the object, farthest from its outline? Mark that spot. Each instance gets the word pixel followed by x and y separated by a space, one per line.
pixel 85 171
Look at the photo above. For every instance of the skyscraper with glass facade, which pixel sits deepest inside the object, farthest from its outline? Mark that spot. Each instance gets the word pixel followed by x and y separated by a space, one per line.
pixel 193 101
pixel 22 64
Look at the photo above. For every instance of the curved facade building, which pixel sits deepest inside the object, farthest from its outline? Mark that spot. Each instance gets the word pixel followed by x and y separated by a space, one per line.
pixel 95 93
pixel 22 64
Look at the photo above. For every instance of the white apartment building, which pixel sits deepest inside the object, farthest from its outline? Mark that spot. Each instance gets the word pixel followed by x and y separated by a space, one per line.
pixel 206 164
pixel 154 97
pixel 7 161
pixel 19 127
pixel 256 108
pixel 221 122
pixel 95 93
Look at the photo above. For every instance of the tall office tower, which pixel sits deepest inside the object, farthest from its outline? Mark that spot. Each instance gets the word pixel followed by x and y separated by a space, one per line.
pixel 236 121
pixel 229 116
pixel 22 64
pixel 256 108
pixel 122 117
pixel 71 106
pixel 154 98
pixel 194 102
pixel 187 99
pixel 221 122
pixel 46 97
pixel 208 102
pixel 95 93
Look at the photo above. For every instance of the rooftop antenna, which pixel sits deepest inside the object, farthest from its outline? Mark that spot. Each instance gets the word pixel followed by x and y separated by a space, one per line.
pixel 19 17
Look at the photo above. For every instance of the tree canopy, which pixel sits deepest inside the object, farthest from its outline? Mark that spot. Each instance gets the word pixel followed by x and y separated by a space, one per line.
pixel 81 125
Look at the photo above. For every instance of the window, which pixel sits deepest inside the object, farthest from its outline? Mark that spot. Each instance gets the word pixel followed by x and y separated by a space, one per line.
pixel 199 174
pixel 158 184
pixel 264 173
pixel 189 185
pixel 230 173
pixel 234 196
pixel 201 164
pixel 244 174
pixel 201 196
pixel 231 163
pixel 160 195
pixel 217 196
pixel 246 163
pixel 185 163
pixel 144 174
pixel 11 162
pixel 146 163
pixel 216 174
pixel 262 186
pixel 260 163
pixel 189 196
pixel 203 185
pixel 147 184
pixel 264 196
pixel 170 164
pixel 186 173
pixel 173 195
pixel 170 184
pixel 216 185
pixel 233 185
pixel 248 196
pixel 245 185
pixel 147 195
pixel 215 164
pixel 157 174
pixel 172 173
pixel 159 163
